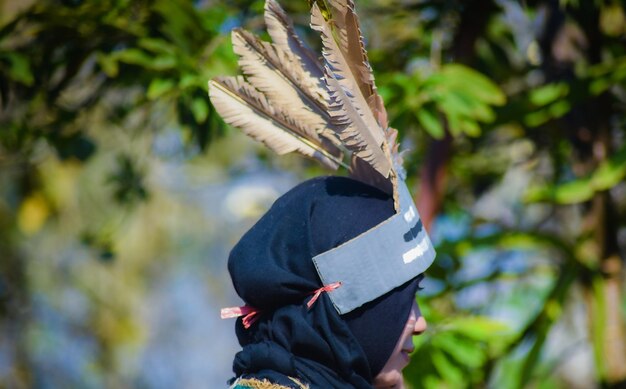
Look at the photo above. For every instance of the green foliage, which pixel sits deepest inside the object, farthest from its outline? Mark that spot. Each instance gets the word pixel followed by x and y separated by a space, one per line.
pixel 16 67
pixel 167 49
pixel 528 97
pixel 609 174
pixel 455 354
pixel 458 94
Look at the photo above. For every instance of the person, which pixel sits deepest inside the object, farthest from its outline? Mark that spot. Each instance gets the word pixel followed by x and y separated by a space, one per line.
pixel 329 274
pixel 298 339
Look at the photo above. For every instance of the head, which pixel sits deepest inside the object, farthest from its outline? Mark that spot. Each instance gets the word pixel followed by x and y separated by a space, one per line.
pixel 272 270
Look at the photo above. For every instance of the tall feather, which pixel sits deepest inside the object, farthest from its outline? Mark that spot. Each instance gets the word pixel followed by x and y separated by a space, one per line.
pixel 339 67
pixel 292 101
pixel 242 106
pixel 351 43
pixel 366 135
pixel 277 74
pixel 355 135
pixel 281 30
pixel 271 71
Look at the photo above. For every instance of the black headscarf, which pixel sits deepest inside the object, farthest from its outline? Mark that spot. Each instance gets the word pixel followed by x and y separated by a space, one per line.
pixel 272 270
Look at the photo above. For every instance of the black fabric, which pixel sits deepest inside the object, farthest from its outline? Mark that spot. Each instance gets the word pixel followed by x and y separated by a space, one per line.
pixel 272 270
pixel 387 314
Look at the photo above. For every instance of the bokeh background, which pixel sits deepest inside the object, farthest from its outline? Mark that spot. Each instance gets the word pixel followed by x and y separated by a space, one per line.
pixel 122 191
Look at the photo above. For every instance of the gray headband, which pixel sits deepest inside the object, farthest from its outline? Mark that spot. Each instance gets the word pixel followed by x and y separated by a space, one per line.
pixel 379 260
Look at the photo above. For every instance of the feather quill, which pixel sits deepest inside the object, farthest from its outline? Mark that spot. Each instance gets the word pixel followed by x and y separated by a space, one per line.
pixel 244 107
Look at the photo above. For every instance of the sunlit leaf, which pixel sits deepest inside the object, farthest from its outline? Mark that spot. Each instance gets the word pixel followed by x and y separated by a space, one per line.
pixel 456 104
pixel 467 353
pixel 109 64
pixel 134 56
pixel 474 83
pixel 451 373
pixel 559 108
pixel 159 87
pixel 607 175
pixel 599 85
pixel 19 68
pixel 548 93
pixel 535 119
pixel 33 213
pixel 158 46
pixel 612 19
pixel 431 123
pixel 163 63
pixel 478 327
pixel 470 127
pixel 200 110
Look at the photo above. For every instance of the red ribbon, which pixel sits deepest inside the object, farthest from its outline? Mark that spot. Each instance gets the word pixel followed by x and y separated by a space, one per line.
pixel 317 293
pixel 249 314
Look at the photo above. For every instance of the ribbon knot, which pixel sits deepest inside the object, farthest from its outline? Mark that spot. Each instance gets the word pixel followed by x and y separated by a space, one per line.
pixel 317 293
pixel 250 314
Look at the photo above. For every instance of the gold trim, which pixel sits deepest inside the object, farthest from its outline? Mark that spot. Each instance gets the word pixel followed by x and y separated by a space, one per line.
pixel 254 383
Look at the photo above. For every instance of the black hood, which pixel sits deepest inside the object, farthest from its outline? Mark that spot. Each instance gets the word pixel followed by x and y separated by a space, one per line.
pixel 272 270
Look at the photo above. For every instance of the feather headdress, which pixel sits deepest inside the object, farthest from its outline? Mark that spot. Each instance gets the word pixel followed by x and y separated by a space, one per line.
pixel 328 108
pixel 325 108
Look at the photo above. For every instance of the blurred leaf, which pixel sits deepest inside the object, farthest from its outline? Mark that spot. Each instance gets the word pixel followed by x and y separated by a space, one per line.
pixel 33 213
pixel 568 193
pixel 611 172
pixel 158 46
pixel 108 63
pixel 182 24
pixel 470 127
pixel 606 176
pixel 18 68
pixel 612 19
pixel 536 331
pixel 430 123
pixel 133 56
pixel 535 119
pixel 559 108
pixel 598 337
pixel 200 109
pixel 451 374
pixel 599 85
pixel 189 80
pixel 548 93
pixel 158 87
pixel 477 327
pixel 163 62
pixel 465 352
pixel 453 103
pixel 473 83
